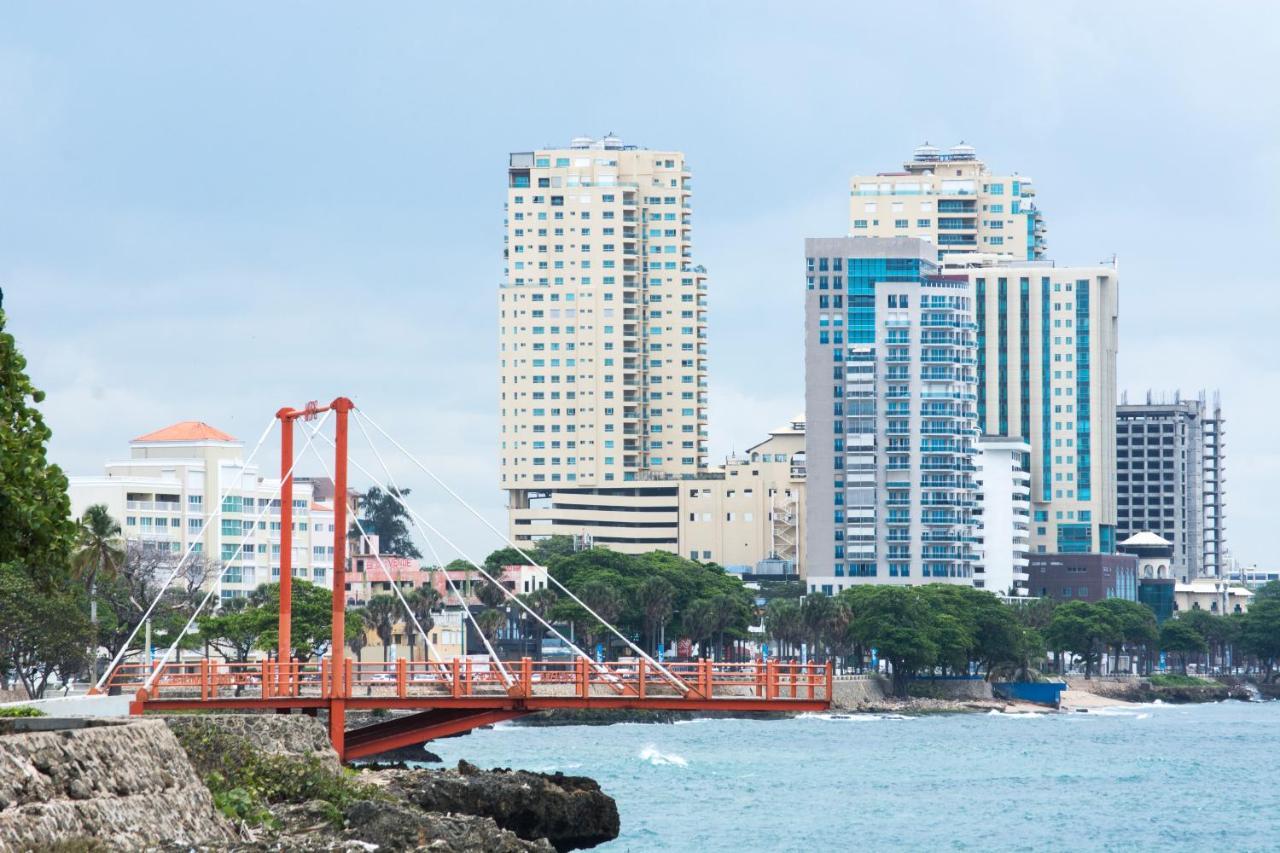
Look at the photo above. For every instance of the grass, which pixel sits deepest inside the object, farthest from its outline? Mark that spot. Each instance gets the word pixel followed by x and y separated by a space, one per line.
pixel 1180 681
pixel 244 781
pixel 12 711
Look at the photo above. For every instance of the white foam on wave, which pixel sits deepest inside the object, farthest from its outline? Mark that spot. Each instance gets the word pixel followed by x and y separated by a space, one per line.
pixel 851 718
pixel 658 758
pixel 1017 714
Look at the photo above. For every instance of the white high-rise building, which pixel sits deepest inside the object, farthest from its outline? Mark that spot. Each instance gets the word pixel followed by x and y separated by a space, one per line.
pixel 1003 514
pixel 165 491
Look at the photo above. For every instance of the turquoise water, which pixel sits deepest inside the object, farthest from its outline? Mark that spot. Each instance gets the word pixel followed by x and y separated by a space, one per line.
pixel 1148 777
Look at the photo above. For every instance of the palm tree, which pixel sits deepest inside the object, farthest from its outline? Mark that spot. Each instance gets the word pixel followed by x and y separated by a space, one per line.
pixel 490 594
pixel 816 614
pixel 656 597
pixel 490 622
pixel 782 620
pixel 606 601
pixel 100 553
pixel 359 633
pixel 727 611
pixel 540 601
pixel 698 620
pixel 421 602
pixel 380 614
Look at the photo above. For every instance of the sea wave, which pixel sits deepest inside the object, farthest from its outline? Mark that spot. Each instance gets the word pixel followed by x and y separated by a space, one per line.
pixel 658 758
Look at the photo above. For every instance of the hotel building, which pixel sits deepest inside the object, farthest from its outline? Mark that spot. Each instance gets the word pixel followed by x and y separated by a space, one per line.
pixel 165 491
pixel 1046 353
pixel 892 429
pixel 602 321
pixel 1003 514
pixel 952 200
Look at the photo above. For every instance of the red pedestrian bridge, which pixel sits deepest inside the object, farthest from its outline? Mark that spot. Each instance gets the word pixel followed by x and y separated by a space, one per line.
pixel 441 697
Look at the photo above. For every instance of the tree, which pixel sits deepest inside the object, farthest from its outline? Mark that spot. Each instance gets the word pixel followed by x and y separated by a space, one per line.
pixel 490 622
pixel 1136 625
pixel 606 601
pixel 236 629
pixel 100 552
pixel 490 594
pixel 1083 629
pixel 897 623
pixel 41 633
pixel 783 622
pixel 385 517
pixel 729 614
pixel 36 530
pixel 311 628
pixel 380 612
pixel 1260 633
pixel 655 596
pixel 357 635
pixel 1180 637
pixel 699 624
pixel 541 601
pixel 422 601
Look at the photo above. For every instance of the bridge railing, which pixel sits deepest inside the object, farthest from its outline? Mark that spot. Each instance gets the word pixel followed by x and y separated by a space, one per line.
pixel 469 677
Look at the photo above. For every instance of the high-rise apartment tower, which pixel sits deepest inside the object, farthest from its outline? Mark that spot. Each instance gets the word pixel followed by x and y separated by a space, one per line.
pixel 951 199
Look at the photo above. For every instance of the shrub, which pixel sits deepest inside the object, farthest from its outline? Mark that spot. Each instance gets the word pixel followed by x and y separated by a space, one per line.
pixel 12 711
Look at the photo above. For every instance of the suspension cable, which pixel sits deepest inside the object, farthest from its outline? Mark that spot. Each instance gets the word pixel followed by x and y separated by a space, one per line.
pixel 662 669
pixel 390 580
pixel 465 609
pixel 415 518
pixel 190 550
pixel 227 564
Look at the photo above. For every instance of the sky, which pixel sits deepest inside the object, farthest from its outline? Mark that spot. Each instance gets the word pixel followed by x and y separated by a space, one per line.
pixel 210 211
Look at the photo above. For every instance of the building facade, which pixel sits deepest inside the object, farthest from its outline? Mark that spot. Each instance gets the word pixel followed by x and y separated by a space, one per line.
pixel 1003 514
pixel 891 426
pixel 1084 577
pixel 602 321
pixel 168 488
pixel 952 200
pixel 1047 341
pixel 1170 471
pixel 748 510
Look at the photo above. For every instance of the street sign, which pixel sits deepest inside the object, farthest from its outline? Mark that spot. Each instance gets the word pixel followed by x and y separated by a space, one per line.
pixel 661 652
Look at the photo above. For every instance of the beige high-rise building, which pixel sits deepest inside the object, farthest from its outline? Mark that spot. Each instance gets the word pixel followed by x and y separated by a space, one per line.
pixel 951 199
pixel 602 321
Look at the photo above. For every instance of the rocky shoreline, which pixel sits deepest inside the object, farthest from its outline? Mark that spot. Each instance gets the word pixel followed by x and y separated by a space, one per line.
pixel 266 783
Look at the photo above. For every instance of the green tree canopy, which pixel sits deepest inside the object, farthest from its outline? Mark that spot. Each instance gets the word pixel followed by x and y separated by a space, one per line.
pixel 384 516
pixel 1179 636
pixel 36 529
pixel 43 632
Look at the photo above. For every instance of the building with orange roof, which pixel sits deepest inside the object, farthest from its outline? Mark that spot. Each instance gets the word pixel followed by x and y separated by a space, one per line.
pixel 166 491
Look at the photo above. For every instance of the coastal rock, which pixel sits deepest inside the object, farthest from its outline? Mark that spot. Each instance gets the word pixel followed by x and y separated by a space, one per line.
pixel 287 734
pixel 127 787
pixel 398 826
pixel 571 812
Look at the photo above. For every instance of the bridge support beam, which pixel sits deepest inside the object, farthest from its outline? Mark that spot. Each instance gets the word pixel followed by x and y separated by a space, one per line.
pixel 419 728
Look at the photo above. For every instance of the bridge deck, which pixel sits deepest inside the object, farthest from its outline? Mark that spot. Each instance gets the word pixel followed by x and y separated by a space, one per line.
pixel 461 694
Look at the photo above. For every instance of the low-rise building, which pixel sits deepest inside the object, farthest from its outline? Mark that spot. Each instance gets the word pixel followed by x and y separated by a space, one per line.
pixel 739 514
pixel 167 489
pixel 1212 594
pixel 1084 577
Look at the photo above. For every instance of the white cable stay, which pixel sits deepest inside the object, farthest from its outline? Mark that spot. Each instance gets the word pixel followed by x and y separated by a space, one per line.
pixel 431 649
pixel 199 537
pixel 506 675
pixel 641 652
pixel 151 677
pixel 415 518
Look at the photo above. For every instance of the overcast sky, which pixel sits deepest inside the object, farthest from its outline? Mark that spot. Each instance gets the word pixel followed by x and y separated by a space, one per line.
pixel 209 211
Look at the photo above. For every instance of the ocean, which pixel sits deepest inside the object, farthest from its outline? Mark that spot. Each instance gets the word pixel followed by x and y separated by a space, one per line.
pixel 1141 777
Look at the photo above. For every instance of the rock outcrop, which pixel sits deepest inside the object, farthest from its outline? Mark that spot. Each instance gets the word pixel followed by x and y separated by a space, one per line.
pixel 126 786
pixel 294 735
pixel 571 812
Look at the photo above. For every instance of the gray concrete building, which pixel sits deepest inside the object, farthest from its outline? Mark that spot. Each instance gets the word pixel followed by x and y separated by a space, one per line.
pixel 1170 472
